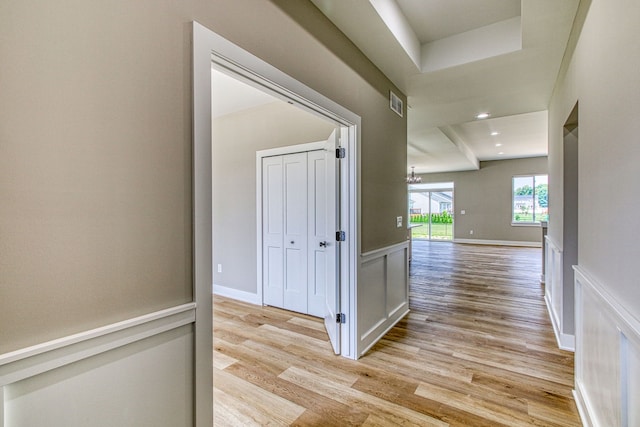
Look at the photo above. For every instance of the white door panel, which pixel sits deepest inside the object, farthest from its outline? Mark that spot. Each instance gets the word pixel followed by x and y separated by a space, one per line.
pixel 332 250
pixel 300 219
pixel 317 231
pixel 295 237
pixel 272 239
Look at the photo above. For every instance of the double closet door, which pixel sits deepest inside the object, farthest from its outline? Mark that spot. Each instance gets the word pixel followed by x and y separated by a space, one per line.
pixel 298 221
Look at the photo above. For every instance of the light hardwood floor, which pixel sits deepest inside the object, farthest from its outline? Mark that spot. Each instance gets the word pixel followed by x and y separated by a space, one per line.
pixel 477 349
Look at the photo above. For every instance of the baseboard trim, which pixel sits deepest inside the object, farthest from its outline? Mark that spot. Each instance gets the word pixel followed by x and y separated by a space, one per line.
pixel 498 242
pixel 582 406
pixel 236 294
pixel 28 362
pixel 565 341
pixel 383 333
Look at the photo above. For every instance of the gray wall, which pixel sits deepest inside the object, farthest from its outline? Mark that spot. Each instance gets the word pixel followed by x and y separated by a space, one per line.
pixel 485 195
pixel 603 75
pixel 344 74
pixel 236 138
pixel 95 149
pixel 95 165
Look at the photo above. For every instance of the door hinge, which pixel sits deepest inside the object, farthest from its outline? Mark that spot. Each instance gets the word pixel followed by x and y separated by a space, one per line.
pixel 341 318
pixel 341 236
pixel 341 153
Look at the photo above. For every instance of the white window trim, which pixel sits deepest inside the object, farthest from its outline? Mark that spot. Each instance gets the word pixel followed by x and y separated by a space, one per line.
pixel 526 223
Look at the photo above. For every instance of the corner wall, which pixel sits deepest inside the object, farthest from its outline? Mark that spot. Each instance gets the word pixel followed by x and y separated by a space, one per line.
pixel 602 74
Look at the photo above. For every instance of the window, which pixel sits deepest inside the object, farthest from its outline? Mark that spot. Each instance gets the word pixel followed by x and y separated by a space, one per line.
pixel 530 196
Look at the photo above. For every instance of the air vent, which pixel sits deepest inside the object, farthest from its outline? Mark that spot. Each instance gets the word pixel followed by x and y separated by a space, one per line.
pixel 396 104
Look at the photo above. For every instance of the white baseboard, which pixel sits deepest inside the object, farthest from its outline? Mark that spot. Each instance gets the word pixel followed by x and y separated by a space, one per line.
pixel 498 242
pixel 565 341
pixel 236 294
pixel 384 332
pixel 582 406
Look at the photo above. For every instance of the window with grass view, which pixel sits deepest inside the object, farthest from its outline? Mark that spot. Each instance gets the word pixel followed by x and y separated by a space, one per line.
pixel 530 199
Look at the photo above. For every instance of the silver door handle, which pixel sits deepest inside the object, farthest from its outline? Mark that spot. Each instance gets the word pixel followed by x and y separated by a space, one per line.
pixel 323 244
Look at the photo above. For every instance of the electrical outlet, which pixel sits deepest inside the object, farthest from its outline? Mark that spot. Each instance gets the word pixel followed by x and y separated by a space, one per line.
pixel 462 212
pixel 470 231
pixel 399 222
pixel 219 268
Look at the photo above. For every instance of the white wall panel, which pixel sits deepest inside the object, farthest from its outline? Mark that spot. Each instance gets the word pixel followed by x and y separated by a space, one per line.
pixel 554 294
pixel 138 372
pixel 373 289
pixel 631 388
pixel 397 272
pixel 147 383
pixel 383 293
pixel 600 362
pixel 607 370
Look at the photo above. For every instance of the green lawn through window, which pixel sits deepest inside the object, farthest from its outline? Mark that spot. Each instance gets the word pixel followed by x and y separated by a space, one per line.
pixel 438 231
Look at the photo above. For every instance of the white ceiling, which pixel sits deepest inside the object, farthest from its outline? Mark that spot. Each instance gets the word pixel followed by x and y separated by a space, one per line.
pixel 437 19
pixel 457 58
pixel 230 95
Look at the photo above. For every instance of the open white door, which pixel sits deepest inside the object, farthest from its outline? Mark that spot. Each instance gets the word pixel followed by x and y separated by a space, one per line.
pixel 332 251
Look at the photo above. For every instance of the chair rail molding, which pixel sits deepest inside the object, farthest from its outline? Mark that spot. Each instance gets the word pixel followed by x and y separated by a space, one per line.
pixel 30 362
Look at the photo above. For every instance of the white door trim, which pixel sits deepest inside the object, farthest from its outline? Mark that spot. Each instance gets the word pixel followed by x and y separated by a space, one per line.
pixel 202 227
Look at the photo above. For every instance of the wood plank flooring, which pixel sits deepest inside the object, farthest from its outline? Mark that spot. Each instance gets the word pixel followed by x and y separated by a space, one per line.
pixel 477 349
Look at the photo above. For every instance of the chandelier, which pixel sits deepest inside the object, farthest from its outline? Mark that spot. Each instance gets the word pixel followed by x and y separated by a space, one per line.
pixel 412 178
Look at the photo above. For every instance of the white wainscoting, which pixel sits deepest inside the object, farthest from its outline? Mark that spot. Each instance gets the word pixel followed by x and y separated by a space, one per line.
pixel 383 293
pixel 135 372
pixel 607 364
pixel 553 294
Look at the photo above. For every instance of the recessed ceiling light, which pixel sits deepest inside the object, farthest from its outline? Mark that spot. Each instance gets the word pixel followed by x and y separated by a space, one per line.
pixel 482 116
pixel 498 145
pixel 501 152
pixel 495 133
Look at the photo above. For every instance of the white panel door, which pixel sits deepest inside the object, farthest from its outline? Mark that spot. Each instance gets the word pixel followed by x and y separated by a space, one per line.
pixel 295 232
pixel 300 252
pixel 273 231
pixel 332 250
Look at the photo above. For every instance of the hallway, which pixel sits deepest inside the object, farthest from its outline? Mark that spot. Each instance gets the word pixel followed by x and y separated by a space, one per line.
pixel 477 349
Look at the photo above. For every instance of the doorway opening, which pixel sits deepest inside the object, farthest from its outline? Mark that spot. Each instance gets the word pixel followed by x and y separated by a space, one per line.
pixel 431 211
pixel 240 65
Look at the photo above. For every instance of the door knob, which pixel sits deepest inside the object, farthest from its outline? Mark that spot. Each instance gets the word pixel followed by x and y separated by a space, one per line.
pixel 323 244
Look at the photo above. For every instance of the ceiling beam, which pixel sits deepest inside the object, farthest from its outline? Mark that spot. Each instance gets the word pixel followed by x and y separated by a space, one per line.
pixel 461 145
pixel 394 19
